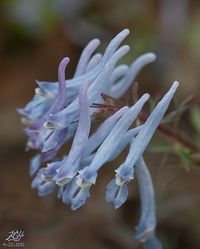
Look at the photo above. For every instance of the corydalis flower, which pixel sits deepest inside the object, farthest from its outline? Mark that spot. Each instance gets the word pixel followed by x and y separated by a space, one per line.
pixel 87 176
pixel 117 189
pixel 145 231
pixel 66 109
pixel 104 77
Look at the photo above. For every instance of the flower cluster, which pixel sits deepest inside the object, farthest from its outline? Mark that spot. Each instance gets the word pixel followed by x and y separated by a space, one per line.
pixel 63 110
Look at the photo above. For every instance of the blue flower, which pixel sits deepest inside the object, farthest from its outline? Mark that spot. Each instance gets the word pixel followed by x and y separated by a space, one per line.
pixel 87 176
pixel 125 173
pixel 63 119
pixel 70 165
pixel 102 132
pixel 120 88
pixel 145 231
pixel 35 164
pixel 65 109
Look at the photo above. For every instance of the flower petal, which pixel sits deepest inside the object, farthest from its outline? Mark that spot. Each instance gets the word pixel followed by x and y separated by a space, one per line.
pixel 102 132
pixel 46 188
pixel 116 194
pixel 121 87
pixel 35 164
pixel 147 221
pixel 85 56
pixel 69 168
pixel 94 61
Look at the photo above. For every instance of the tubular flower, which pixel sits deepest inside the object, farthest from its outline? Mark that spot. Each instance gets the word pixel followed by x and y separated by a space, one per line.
pixel 145 231
pixel 117 191
pixel 65 110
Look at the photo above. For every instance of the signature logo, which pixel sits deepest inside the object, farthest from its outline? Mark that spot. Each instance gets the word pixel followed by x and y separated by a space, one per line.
pixel 14 238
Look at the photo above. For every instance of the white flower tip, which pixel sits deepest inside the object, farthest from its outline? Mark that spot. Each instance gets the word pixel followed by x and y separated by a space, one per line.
pixel 42 92
pixel 50 125
pixel 126 48
pixel 175 85
pixel 98 56
pixel 125 32
pixel 65 60
pixel 63 182
pixel 61 69
pixel 44 178
pixel 38 91
pixel 146 96
pixel 152 56
pixel 123 67
pixel 26 121
pixel 96 42
pixel 81 183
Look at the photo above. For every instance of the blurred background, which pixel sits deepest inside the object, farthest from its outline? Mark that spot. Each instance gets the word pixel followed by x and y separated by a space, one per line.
pixel 35 35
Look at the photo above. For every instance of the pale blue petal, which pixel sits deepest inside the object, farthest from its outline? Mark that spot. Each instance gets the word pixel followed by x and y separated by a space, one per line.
pixel 125 141
pixel 94 61
pixel 80 198
pixel 119 72
pixel 60 100
pixel 60 192
pixel 80 138
pixel 36 108
pixel 76 193
pixel 85 56
pixel 46 188
pixel 121 87
pixel 51 169
pixel 50 88
pixel 116 194
pixel 57 138
pixel 72 89
pixel 102 132
pixel 68 191
pixel 37 180
pixel 102 81
pixel 86 161
pixel 35 164
pixel 147 221
pixel 141 141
